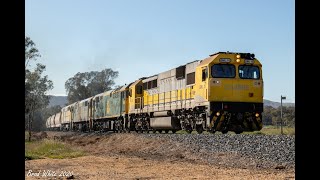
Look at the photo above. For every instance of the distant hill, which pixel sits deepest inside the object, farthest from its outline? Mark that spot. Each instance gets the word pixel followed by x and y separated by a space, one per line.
pixel 62 100
pixel 58 100
pixel 276 104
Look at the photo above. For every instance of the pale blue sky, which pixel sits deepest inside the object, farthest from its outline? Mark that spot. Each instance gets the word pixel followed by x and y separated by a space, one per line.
pixel 145 37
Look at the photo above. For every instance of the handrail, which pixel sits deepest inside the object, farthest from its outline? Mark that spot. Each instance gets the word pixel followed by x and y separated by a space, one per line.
pixel 152 102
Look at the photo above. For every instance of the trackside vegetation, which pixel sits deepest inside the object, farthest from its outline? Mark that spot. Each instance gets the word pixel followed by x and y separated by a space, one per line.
pixel 49 148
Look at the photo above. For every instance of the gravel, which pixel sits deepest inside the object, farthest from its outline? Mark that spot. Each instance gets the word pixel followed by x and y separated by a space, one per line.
pixel 234 150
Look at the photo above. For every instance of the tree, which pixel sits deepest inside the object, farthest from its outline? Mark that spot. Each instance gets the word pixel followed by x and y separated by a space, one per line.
pixel 87 84
pixel 36 86
pixel 276 120
pixel 31 53
pixel 273 115
pixel 266 115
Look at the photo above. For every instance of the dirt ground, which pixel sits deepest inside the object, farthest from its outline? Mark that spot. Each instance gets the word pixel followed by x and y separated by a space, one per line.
pixel 126 156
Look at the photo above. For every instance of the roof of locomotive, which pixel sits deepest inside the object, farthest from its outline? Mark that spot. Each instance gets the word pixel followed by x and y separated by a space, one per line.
pixel 125 86
pixel 242 54
pixel 155 76
pixel 212 57
pixel 101 94
pixel 135 82
pixel 87 99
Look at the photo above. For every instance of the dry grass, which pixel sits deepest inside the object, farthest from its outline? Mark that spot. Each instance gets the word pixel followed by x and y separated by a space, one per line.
pixel 270 130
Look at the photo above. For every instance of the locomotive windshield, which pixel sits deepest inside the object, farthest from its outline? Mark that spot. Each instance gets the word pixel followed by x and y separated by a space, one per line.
pixel 249 72
pixel 223 71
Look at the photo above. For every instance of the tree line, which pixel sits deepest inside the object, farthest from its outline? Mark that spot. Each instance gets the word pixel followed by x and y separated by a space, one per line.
pixel 272 116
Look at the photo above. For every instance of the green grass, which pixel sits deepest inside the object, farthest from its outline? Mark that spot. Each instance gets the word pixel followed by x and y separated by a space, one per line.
pixel 48 148
pixel 26 135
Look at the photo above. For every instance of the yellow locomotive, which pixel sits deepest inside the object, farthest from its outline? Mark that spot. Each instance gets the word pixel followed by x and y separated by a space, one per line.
pixel 223 92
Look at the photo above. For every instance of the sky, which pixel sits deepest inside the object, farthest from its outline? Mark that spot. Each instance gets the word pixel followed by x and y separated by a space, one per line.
pixel 145 37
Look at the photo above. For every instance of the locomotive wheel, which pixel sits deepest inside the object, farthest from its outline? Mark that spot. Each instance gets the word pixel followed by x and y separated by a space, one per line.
pixel 225 131
pixel 128 130
pixel 189 129
pixel 138 129
pixel 199 129
pixel 166 131
pixel 212 131
pixel 238 130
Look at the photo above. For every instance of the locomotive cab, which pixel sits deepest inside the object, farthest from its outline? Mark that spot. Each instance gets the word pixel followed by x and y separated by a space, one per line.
pixel 230 87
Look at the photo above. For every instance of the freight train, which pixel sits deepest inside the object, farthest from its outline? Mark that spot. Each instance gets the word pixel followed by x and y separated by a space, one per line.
pixel 223 92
